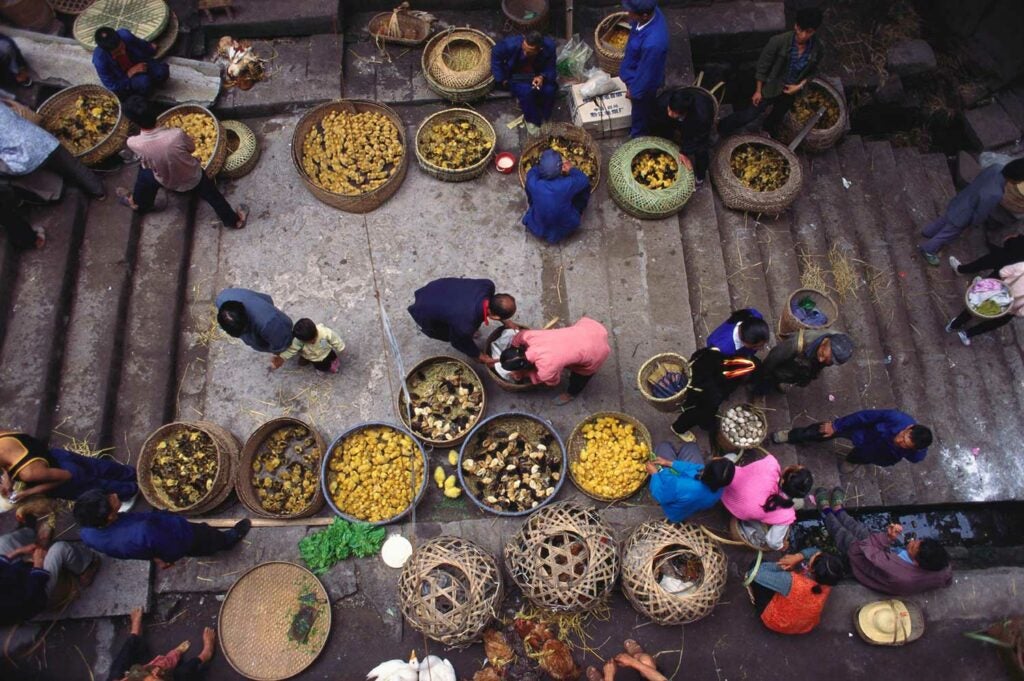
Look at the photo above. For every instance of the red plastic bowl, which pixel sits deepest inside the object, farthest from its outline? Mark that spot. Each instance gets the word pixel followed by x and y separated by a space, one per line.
pixel 505 162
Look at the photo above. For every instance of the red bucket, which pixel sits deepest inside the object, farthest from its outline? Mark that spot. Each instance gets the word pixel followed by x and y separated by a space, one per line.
pixel 505 162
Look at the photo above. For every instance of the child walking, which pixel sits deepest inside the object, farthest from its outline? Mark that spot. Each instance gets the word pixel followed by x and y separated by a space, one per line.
pixel 315 344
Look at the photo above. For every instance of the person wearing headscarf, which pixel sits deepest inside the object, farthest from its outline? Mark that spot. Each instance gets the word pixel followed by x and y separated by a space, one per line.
pixel 713 377
pixel 127 64
pixel 800 358
pixel 643 65
pixel 525 66
pixel 557 194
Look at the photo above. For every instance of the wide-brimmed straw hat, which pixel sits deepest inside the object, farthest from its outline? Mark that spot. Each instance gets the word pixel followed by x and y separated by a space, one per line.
pixel 889 623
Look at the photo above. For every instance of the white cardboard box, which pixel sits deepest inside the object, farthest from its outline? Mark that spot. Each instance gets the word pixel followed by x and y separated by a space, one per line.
pixel 603 116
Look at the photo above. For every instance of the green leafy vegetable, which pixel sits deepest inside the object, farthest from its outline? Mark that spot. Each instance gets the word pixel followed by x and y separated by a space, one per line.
pixel 340 540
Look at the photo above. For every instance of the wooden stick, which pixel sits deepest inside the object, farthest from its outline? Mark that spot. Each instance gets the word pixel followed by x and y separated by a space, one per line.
pixel 552 322
pixel 316 521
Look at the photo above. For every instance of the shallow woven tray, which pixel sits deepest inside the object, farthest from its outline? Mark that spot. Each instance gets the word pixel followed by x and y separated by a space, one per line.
pixel 502 383
pixel 458 86
pixel 69 6
pixel 463 174
pixel 359 203
pixel 608 58
pixel 576 442
pixel 569 132
pixel 220 147
pixel 243 477
pixel 664 404
pixel 467 369
pixel 256 616
pixel 417 30
pixel 147 19
pixel 243 159
pixel 638 200
pixel 738 196
pixel 789 324
pixel 227 448
pixel 109 145
pixel 818 139
pixel 170 36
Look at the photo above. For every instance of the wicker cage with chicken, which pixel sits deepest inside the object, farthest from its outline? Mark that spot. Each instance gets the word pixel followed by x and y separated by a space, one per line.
pixel 564 558
pixel 450 590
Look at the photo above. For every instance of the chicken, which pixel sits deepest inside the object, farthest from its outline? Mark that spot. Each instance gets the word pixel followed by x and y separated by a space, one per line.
pixel 487 674
pixel 433 668
pixel 555 658
pixel 534 634
pixel 396 670
pixel 499 652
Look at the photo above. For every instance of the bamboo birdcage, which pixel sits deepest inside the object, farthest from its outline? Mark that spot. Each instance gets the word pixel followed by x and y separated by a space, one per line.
pixel 457 64
pixel 641 201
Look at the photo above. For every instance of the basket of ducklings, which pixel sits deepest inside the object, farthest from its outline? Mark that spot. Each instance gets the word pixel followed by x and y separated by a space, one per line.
pixel 279 470
pixel 610 39
pixel 572 143
pixel 351 154
pixel 87 120
pixel 647 180
pixel 444 400
pixel 817 94
pixel 374 473
pixel 207 134
pixel 756 174
pixel 455 145
pixel 187 467
pixel 607 452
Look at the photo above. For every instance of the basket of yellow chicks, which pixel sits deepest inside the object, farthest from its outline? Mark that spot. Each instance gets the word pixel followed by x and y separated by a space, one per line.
pixel 607 455
pixel 610 38
pixel 756 174
pixel 374 473
pixel 205 130
pixel 455 145
pixel 87 120
pixel 278 473
pixel 647 179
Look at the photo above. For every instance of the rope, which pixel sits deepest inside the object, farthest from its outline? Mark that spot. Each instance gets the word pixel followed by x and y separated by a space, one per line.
pixel 749 579
pixel 723 540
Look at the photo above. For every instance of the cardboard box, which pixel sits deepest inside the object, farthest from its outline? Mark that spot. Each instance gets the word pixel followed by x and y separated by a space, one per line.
pixel 606 115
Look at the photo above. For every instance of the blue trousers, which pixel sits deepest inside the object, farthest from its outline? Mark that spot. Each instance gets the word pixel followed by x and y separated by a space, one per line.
pixel 93 473
pixel 146 187
pixel 643 108
pixel 536 104
pixel 156 74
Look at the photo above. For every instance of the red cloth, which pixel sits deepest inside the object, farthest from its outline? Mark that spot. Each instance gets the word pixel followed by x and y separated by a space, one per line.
pixel 123 60
pixel 581 348
pixel 800 611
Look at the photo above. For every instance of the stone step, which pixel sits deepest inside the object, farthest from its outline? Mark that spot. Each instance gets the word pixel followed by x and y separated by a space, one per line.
pixel 9 259
pixel 706 275
pixel 272 19
pixel 738 29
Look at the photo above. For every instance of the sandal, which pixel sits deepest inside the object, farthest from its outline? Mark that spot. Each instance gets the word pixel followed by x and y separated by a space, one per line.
pixel 124 197
pixel 243 214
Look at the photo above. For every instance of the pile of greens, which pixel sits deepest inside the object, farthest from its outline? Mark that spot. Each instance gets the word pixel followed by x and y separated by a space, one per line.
pixel 340 540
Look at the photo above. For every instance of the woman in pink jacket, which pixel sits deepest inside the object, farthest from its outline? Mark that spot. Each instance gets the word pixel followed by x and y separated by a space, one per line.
pixel 542 355
pixel 761 497
pixel 1013 277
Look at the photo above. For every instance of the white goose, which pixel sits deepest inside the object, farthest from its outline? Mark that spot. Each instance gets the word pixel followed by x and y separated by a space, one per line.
pixel 433 668
pixel 396 670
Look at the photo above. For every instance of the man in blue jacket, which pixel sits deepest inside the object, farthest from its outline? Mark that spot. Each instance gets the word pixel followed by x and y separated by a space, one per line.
pixel 252 317
pixel 126 64
pixel 879 436
pixel 452 309
pixel 558 194
pixel 525 66
pixel 643 66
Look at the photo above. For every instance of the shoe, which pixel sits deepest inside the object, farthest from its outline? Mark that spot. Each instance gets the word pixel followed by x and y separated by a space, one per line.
pixel 964 338
pixel 837 497
pixel 821 498
pixel 780 437
pixel 686 437
pixel 698 184
pixel 949 326
pixel 127 505
pixel 932 259
pixel 239 531
pixel 954 262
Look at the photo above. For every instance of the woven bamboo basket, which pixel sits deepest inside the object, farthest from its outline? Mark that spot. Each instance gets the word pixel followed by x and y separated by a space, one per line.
pixel 818 139
pixel 737 535
pixel 146 19
pixel 516 10
pixel 413 30
pixel 577 441
pixel 214 164
pixel 641 201
pixel 457 64
pixel 357 203
pixel 256 619
pixel 542 141
pixel 246 490
pixel 564 558
pixel 509 421
pixel 502 383
pixel 170 36
pixel 979 315
pixel 65 99
pixel 673 362
pixel 450 590
pixel 227 448
pixel 647 552
pixel 609 58
pixel 728 445
pixel 456 365
pixel 482 125
pixel 738 196
pixel 243 150
pixel 789 324
pixel 72 7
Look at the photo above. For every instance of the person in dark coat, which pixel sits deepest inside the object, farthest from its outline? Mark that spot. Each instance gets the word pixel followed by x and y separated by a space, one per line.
pixel 558 194
pixel 126 64
pixel 743 334
pixel 799 359
pixel 29 572
pixel 687 118
pixel 998 257
pixel 643 65
pixel 525 66
pixel 883 437
pixel 252 317
pixel 452 309
pixel 713 377
pixel 13 67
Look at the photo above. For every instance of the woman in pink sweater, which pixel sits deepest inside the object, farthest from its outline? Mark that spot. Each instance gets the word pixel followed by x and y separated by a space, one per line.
pixel 542 355
pixel 761 497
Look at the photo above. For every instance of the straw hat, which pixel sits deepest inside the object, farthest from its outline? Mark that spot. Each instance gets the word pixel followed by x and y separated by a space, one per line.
pixel 889 623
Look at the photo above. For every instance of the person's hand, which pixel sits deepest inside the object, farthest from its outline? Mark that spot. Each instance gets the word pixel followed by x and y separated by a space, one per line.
pixel 662 461
pixel 163 565
pixel 650 468
pixel 827 429
pixel 537 82
pixel 685 160
pixel 137 69
pixel 486 359
pixel 22 551
pixel 756 99
pixel 566 166
pixel 791 89
pixel 38 556
pixel 629 94
pixel 276 362
pixel 790 561
pixel 894 531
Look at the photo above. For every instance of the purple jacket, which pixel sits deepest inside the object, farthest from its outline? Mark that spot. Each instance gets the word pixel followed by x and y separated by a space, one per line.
pixel 877 567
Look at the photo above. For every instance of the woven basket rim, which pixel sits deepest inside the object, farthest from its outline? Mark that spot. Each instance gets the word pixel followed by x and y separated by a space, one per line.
pixel 804 290
pixel 736 195
pixel 666 201
pixel 481 123
pixel 645 391
pixel 574 446
pixel 57 102
pixel 247 145
pixel 438 40
pixel 562 129
pixel 72 7
pixel 165 41
pixel 599 44
pixel 87 40
pixel 448 359
pixel 146 454
pixel 761 416
pixel 245 490
pixel 219 147
pixel 739 140
pixel 824 135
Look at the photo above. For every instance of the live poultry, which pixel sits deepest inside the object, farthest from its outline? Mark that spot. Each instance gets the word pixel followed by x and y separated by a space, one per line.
pixel 396 670
pixel 433 668
pixel 553 656
pixel 499 653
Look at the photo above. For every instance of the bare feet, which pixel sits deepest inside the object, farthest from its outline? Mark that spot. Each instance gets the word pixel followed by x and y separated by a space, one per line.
pixel 183 647
pixel 593 674
pixel 243 215
pixel 563 399
pixel 632 647
pixel 136 620
pixel 209 645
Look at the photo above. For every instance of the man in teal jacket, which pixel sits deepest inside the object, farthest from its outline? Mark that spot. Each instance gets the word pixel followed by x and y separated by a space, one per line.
pixel 787 62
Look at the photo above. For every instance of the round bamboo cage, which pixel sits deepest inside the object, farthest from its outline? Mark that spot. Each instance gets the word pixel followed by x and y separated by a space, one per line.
pixel 457 64
pixel 738 196
pixel 609 57
pixel 818 139
pixel 226 447
pixel 450 589
pixel 577 441
pixel 212 165
pixel 518 14
pixel 789 324
pixel 245 487
pixel 400 28
pixel 656 549
pixel 64 100
pixel 504 384
pixel 638 199
pixel 653 369
pixel 727 445
pixel 571 133
pixel 479 123
pixel 243 150
pixel 564 558
pixel 413 382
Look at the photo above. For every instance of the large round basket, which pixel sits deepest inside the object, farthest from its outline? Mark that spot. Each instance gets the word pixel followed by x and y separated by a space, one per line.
pixel 738 196
pixel 226 446
pixel 411 30
pixel 609 57
pixel 354 203
pixel 574 135
pixel 504 384
pixel 564 558
pixel 639 200
pixel 818 139
pixel 457 64
pixel 653 370
pixel 981 315
pixel 526 15
pixel 479 123
pixel 146 19
pixel 450 590
pixel 73 7
pixel 243 150
pixel 789 324
pixel 726 444
pixel 659 547
pixel 65 100
pixel 220 147
pixel 274 621
pixel 246 489
pixel 434 371
pixel 532 429
pixel 577 442
pixel 325 475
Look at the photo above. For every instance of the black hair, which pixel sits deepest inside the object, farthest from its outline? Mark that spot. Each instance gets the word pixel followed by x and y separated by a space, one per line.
pixel 754 331
pixel 534 39
pixel 233 318
pixel 304 330
pixel 827 570
pixel 92 508
pixel 718 473
pixel 681 101
pixel 1014 170
pixel 139 111
pixel 106 38
pixel 932 556
pixel 796 484
pixel 808 18
pixel 503 305
pixel 514 359
pixel 920 436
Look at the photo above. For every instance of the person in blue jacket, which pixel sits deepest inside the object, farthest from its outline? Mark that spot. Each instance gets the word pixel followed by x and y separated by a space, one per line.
pixel 525 66
pixel 558 194
pixel 743 334
pixel 252 317
pixel 452 309
pixel 643 65
pixel 684 484
pixel 879 436
pixel 125 63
